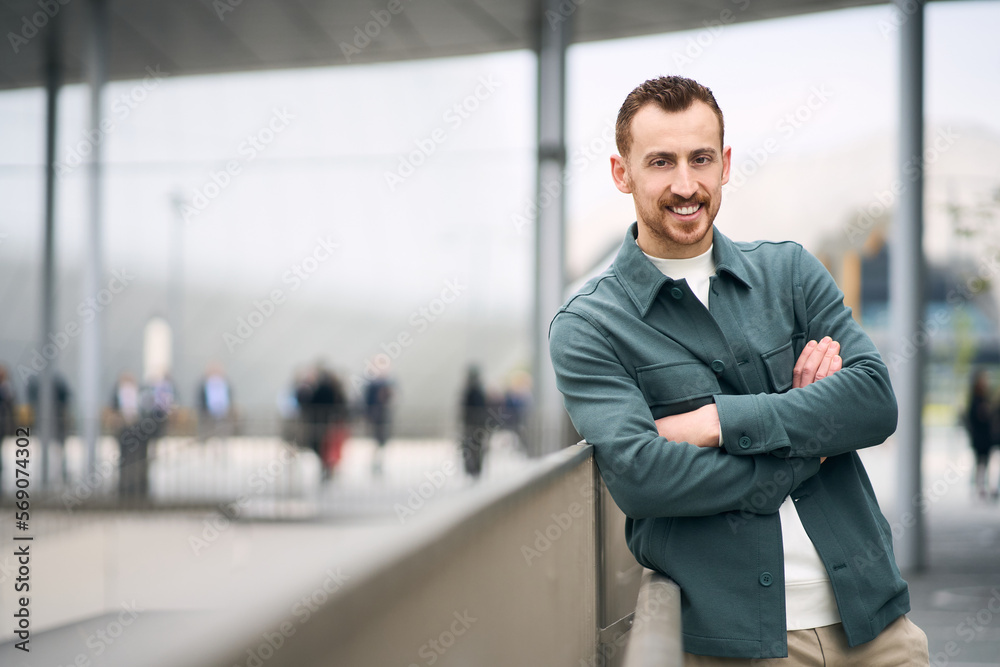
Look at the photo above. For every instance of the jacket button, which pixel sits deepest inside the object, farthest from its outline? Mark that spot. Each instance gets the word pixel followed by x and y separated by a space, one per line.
pixel 745 442
pixel 718 366
pixel 677 293
pixel 765 579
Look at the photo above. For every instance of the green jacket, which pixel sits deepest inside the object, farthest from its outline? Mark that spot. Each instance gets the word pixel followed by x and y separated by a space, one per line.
pixel 633 346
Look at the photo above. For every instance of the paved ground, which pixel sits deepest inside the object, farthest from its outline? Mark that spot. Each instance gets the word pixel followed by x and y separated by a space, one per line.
pixel 956 598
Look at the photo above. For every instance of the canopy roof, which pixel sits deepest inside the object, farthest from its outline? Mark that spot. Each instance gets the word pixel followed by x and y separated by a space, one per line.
pixel 205 36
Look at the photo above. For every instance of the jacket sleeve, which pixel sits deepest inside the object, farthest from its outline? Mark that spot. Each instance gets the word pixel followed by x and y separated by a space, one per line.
pixel 647 475
pixel 849 410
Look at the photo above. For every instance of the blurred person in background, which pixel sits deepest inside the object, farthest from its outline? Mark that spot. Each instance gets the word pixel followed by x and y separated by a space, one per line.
pixel 324 413
pixel 123 420
pixel 8 411
pixel 979 420
pixel 378 413
pixel 215 404
pixel 157 398
pixel 475 414
pixel 517 406
pixel 63 396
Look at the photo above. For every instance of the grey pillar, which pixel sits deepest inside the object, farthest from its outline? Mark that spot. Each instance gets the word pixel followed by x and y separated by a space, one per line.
pixel 553 39
pixel 176 297
pixel 46 403
pixel 92 332
pixel 906 287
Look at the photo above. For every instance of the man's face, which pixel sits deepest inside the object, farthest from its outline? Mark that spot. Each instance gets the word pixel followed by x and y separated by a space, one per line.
pixel 675 171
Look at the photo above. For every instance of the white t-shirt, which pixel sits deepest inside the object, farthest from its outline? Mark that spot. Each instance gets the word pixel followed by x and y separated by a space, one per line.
pixel 809 596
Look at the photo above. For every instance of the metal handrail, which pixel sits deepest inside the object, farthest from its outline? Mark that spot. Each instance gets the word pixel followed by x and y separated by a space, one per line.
pixel 655 638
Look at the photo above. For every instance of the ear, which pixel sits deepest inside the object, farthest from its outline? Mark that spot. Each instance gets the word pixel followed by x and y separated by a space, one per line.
pixel 727 158
pixel 619 174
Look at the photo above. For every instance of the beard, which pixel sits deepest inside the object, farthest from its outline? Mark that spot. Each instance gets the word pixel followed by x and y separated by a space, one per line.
pixel 665 229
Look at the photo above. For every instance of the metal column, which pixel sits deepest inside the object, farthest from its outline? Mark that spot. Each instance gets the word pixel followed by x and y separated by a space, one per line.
pixel 46 394
pixel 906 287
pixel 553 39
pixel 92 332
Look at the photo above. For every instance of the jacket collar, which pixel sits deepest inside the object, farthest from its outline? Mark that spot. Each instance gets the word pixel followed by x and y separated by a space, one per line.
pixel 642 281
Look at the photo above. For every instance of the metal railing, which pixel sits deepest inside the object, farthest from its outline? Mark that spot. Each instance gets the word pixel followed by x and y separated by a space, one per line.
pixel 655 638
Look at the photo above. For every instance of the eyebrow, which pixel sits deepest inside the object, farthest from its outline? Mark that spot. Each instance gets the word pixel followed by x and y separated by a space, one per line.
pixel 667 155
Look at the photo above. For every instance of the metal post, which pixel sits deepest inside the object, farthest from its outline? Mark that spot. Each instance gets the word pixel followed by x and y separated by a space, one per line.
pixel 92 332
pixel 906 287
pixel 176 299
pixel 553 34
pixel 45 399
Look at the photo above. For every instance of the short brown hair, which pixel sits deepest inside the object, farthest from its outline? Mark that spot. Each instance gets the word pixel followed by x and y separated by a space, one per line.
pixel 670 93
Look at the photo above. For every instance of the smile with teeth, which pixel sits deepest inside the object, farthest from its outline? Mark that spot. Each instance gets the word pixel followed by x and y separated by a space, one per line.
pixel 685 210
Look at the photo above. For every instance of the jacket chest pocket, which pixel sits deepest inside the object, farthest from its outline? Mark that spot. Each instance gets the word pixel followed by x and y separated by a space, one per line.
pixel 675 387
pixel 780 362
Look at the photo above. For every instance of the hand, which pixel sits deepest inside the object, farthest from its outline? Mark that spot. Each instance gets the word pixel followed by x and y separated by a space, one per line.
pixel 698 427
pixel 817 361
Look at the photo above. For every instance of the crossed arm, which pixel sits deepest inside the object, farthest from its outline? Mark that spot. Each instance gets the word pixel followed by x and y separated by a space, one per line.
pixel 701 427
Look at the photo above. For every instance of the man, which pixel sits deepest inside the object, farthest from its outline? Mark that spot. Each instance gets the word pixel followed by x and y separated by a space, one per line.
pixel 726 388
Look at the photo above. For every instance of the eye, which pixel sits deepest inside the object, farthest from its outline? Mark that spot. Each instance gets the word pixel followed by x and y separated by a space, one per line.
pixel 659 163
pixel 703 159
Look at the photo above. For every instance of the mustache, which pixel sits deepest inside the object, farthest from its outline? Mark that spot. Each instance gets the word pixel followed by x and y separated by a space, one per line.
pixel 674 202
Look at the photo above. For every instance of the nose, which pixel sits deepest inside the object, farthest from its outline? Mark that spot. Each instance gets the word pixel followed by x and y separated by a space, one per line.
pixel 684 184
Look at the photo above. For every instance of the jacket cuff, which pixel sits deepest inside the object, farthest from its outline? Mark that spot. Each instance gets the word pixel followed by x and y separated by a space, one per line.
pixel 742 431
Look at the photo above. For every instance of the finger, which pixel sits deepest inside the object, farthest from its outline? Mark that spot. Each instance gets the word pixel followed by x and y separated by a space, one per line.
pixel 824 366
pixel 800 362
pixel 814 360
pixel 836 364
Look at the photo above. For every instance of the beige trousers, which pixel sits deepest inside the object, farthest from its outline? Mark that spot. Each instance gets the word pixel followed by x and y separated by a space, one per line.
pixel 901 644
